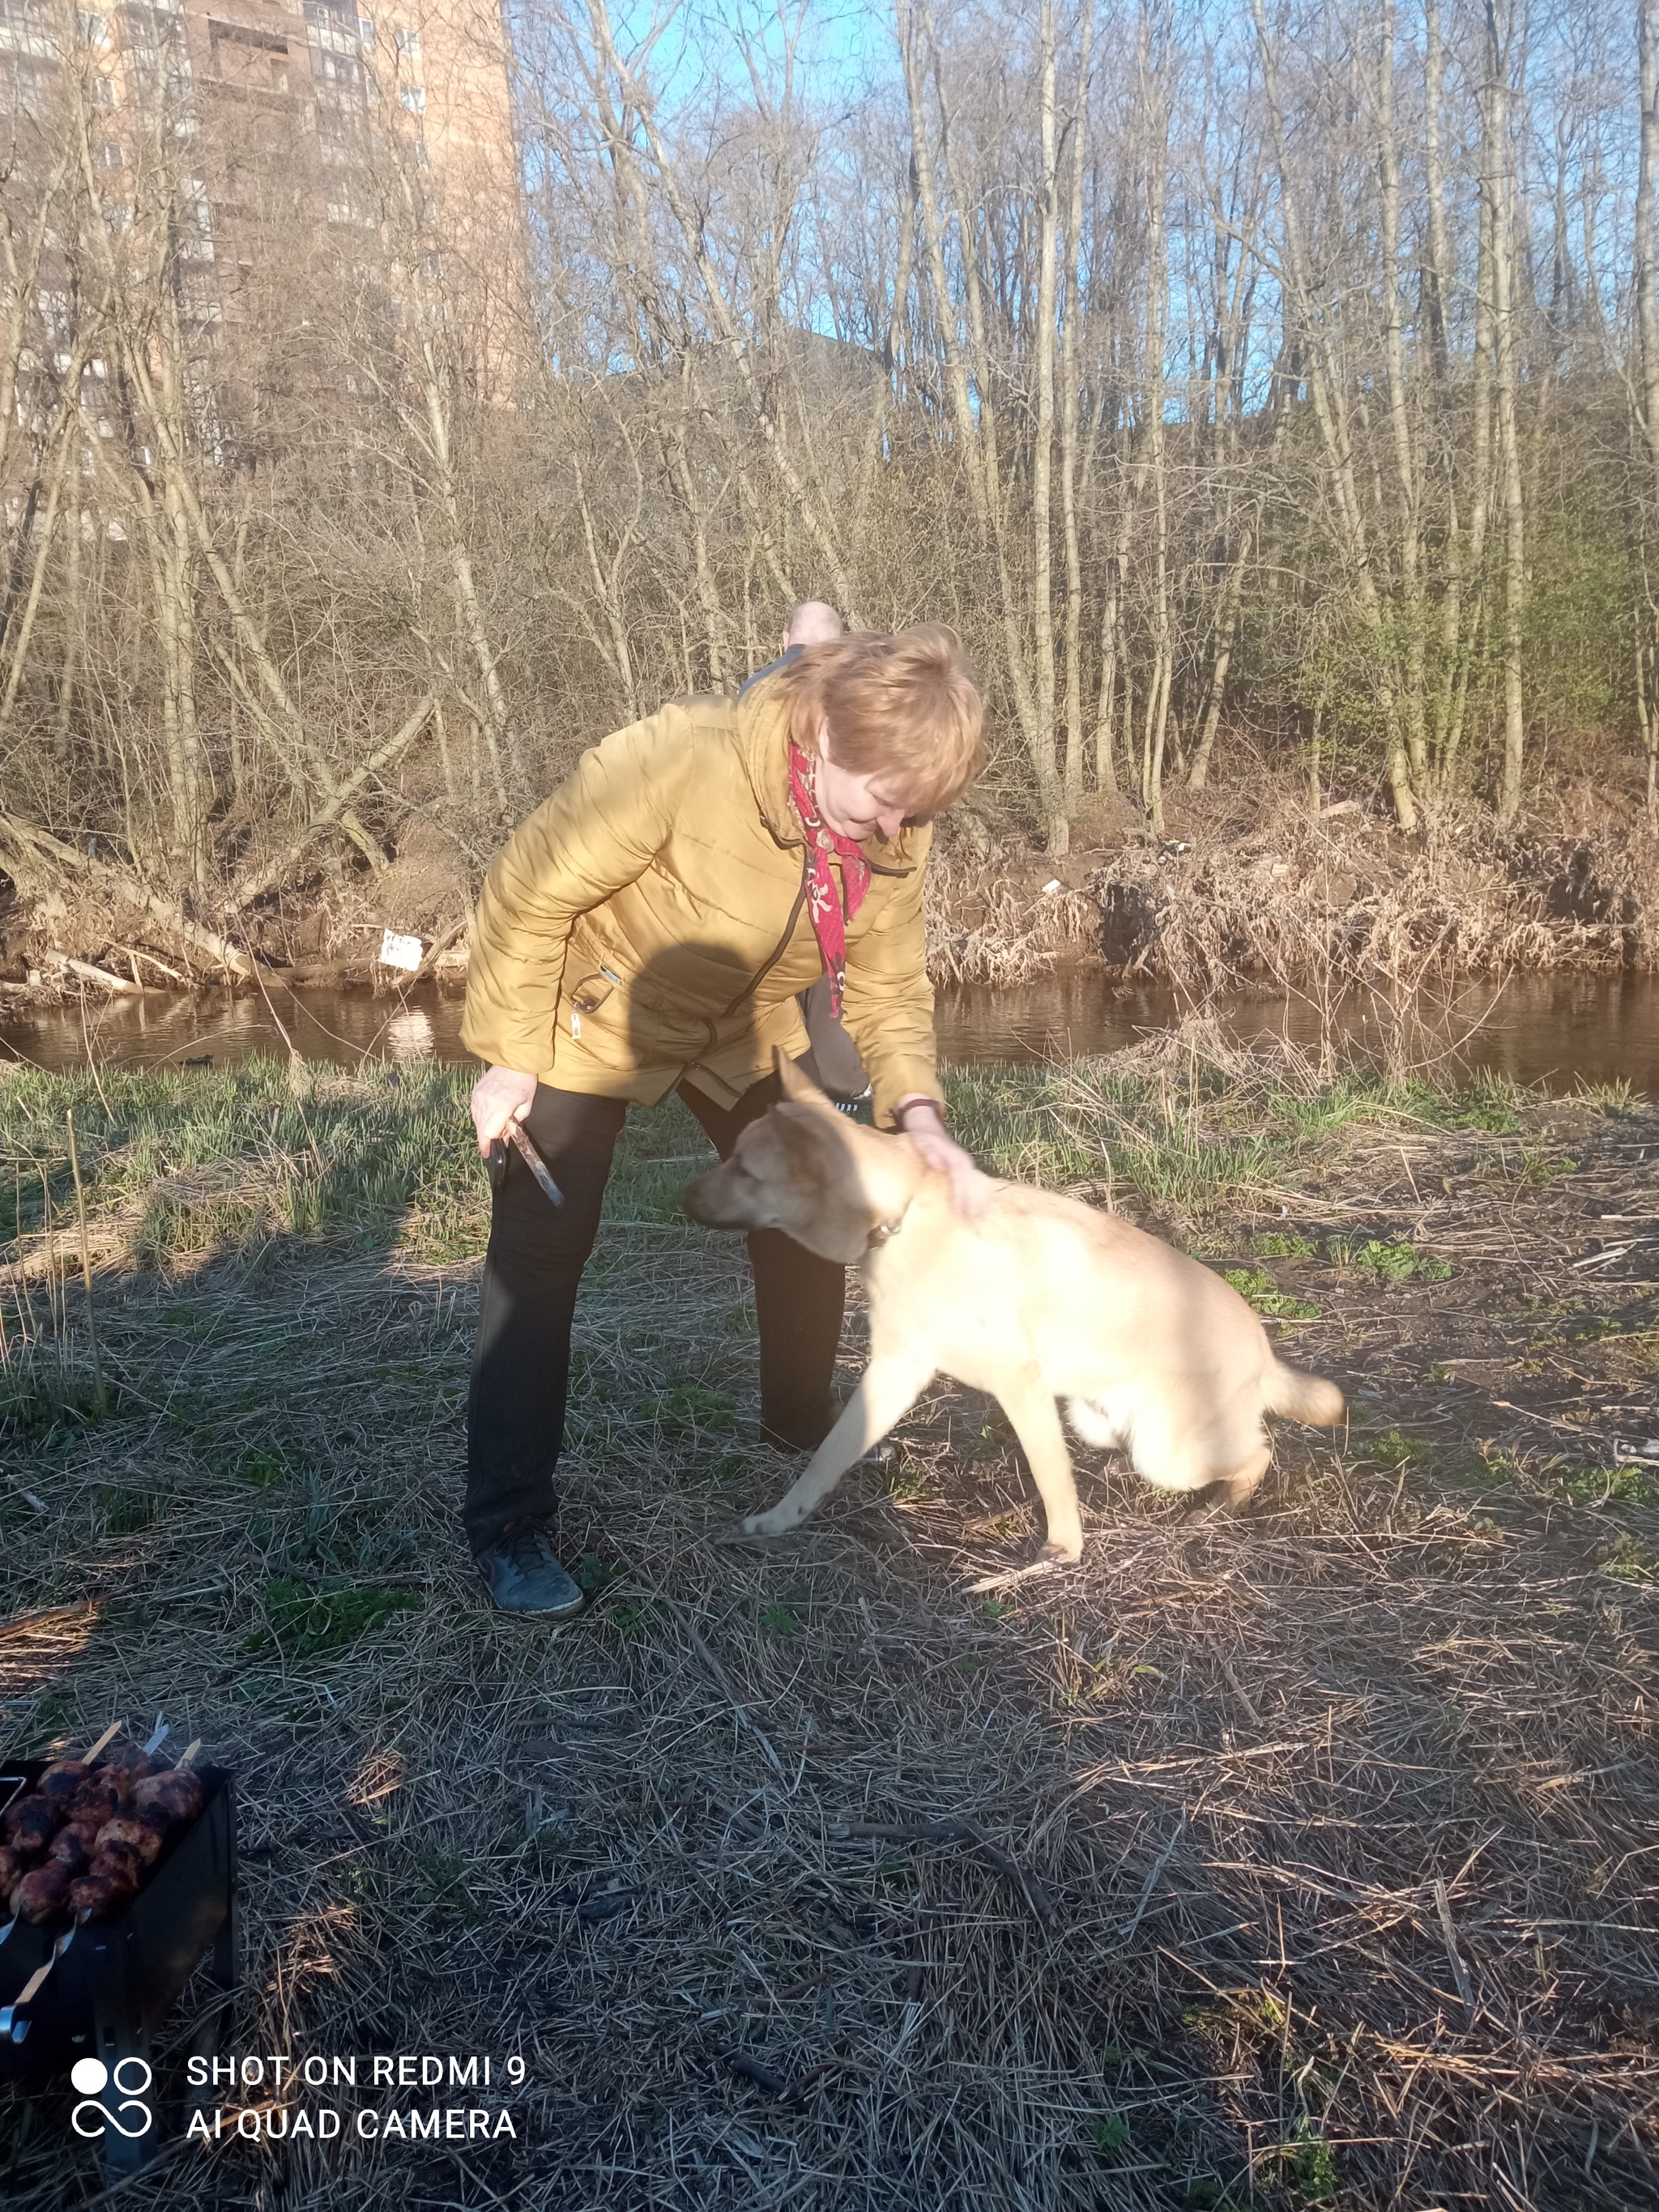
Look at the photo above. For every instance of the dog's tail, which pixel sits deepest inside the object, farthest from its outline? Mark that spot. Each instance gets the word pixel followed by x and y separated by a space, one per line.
pixel 1304 1397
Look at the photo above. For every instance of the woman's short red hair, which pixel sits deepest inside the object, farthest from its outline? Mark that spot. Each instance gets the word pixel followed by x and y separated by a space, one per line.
pixel 901 704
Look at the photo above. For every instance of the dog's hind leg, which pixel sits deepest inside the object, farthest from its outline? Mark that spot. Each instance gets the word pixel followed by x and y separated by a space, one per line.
pixel 888 1390
pixel 1030 1405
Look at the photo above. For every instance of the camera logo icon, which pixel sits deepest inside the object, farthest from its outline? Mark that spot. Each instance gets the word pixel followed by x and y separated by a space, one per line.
pixel 129 2115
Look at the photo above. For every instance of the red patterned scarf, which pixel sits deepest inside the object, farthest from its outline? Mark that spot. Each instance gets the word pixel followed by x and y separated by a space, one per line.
pixel 830 909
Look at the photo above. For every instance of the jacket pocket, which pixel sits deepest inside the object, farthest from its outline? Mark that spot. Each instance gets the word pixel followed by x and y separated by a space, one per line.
pixel 589 992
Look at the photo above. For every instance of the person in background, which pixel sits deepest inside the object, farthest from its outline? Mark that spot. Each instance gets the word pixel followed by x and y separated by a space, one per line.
pixel 831 1059
pixel 649 929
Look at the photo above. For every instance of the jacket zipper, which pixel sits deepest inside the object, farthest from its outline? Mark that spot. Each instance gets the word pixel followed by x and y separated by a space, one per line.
pixel 763 972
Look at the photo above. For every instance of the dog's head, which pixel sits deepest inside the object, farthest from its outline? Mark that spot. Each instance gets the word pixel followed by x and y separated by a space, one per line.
pixel 809 1172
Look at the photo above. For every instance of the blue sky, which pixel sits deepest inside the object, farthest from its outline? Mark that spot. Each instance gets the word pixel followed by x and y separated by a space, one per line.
pixel 839 42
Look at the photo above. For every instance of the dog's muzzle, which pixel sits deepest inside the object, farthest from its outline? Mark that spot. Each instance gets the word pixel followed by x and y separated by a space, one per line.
pixel 707 1203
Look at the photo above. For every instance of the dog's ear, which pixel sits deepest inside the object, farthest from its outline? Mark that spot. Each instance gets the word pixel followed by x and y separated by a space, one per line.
pixel 798 1088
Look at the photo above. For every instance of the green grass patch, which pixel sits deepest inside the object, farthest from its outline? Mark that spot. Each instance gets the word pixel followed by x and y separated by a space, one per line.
pixel 1487 1102
pixel 1309 2165
pixel 1256 1285
pixel 311 1621
pixel 692 1409
pixel 1390 1261
pixel 595 1574
pixel 1629 1484
pixel 445 1887
pixel 124 1512
pixel 1630 1559
pixel 45 1390
pixel 1393 1450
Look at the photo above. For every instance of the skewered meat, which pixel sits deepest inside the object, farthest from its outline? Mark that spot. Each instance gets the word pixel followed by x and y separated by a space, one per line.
pixel 22 1855
pixel 70 1851
pixel 42 1896
pixel 30 1823
pixel 99 1798
pixel 177 1793
pixel 131 1765
pixel 138 1835
pixel 63 1777
pixel 101 1893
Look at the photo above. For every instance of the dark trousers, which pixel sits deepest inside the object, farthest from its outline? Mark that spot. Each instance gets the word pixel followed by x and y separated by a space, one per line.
pixel 521 1360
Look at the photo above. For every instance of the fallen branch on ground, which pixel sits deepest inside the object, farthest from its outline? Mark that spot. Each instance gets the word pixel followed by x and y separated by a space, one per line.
pixel 952 1832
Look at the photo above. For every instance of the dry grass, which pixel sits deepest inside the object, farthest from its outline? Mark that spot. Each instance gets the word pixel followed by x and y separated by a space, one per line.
pixel 989 923
pixel 1264 887
pixel 1296 1859
pixel 1252 885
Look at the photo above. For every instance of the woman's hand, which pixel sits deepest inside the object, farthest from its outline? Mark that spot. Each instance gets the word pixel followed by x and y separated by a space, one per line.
pixel 501 1095
pixel 921 1121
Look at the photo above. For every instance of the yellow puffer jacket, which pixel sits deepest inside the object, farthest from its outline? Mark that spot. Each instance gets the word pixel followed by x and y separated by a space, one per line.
pixel 648 922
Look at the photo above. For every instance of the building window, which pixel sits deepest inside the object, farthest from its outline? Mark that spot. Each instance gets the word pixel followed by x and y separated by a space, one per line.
pixel 93 29
pixel 413 98
pixel 366 32
pixel 407 43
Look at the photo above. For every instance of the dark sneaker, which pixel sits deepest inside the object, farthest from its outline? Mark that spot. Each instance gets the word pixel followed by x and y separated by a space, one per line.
pixel 522 1574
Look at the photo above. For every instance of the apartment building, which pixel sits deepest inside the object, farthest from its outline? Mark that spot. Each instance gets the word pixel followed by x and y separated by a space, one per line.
pixel 264 152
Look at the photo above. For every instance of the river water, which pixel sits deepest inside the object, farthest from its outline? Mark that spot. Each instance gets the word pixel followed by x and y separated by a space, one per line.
pixel 1553 1030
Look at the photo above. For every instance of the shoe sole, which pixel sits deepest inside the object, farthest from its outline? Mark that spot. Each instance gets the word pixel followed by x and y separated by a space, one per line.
pixel 538 1612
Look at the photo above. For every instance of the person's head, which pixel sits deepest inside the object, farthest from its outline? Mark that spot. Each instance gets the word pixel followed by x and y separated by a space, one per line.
pixel 894 723
pixel 814 622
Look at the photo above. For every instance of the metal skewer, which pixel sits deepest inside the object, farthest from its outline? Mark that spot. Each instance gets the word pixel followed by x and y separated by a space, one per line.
pixel 514 1135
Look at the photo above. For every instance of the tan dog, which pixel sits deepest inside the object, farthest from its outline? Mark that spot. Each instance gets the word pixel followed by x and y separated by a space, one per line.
pixel 1041 1299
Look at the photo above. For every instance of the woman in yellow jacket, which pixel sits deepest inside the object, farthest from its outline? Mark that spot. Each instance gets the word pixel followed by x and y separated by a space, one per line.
pixel 647 930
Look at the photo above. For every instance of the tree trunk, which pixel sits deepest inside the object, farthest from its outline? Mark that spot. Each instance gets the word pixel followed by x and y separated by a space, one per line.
pixel 1647 327
pixel 1068 430
pixel 1499 180
pixel 1050 792
pixel 1410 660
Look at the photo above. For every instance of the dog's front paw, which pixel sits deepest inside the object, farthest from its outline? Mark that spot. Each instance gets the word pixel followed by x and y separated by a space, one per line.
pixel 1063 1555
pixel 777 1522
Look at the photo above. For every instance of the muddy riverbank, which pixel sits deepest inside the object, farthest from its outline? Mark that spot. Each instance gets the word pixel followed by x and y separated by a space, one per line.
pixel 1250 887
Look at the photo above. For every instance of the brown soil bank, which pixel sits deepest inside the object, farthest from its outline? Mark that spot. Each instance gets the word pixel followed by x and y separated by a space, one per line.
pixel 1259 884
pixel 1248 884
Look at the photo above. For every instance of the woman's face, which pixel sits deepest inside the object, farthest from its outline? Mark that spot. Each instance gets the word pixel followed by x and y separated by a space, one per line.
pixel 856 806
